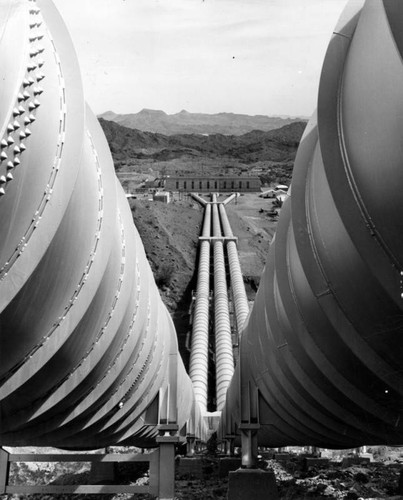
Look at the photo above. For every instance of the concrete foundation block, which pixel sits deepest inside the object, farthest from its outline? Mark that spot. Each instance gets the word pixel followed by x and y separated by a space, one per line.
pixel 190 467
pixel 227 465
pixel 257 484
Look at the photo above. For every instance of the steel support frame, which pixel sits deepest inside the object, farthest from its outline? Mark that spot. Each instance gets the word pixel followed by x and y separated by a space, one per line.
pixel 167 442
pixel 162 461
pixel 250 424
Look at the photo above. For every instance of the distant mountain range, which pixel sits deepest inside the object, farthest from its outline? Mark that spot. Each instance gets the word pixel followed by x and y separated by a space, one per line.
pixel 279 145
pixel 197 123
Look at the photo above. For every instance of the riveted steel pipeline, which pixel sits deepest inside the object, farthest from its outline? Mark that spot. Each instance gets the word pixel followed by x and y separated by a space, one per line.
pixel 199 199
pixel 229 199
pixel 224 359
pixel 198 367
pixel 322 347
pixel 86 346
pixel 88 351
pixel 238 287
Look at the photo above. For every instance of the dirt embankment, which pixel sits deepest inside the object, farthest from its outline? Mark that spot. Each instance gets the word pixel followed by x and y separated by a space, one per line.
pixel 169 233
pixel 254 225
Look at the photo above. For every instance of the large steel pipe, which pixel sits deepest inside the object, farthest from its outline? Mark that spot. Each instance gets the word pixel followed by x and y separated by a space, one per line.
pixel 199 199
pixel 323 344
pixel 86 344
pixel 238 288
pixel 198 368
pixel 224 359
pixel 230 198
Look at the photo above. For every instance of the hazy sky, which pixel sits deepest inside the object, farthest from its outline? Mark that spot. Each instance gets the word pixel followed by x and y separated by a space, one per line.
pixel 242 56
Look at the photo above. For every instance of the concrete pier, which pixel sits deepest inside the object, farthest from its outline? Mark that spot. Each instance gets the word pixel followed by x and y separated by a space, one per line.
pixel 253 484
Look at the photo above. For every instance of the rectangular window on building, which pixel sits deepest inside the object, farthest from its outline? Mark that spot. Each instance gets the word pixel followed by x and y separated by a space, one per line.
pixel 193 184
pixel 177 184
pixel 208 184
pixel 200 184
pixel 247 184
pixel 225 184
pixel 184 184
pixel 240 184
pixel 215 185
pixel 232 184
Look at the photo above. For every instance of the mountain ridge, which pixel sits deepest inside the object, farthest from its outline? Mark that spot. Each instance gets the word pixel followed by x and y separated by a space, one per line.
pixel 274 145
pixel 184 122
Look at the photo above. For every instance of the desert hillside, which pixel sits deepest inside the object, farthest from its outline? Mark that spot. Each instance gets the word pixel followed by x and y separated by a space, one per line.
pixel 197 123
pixel 275 145
pixel 269 155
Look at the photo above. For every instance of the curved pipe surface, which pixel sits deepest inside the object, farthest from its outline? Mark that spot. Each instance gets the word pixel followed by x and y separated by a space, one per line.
pixel 323 346
pixel 198 367
pixel 230 198
pixel 223 341
pixel 87 347
pixel 224 360
pixel 199 199
pixel 237 284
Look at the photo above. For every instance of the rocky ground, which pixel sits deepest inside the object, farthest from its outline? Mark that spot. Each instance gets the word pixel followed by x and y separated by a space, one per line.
pixel 337 479
pixel 341 477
